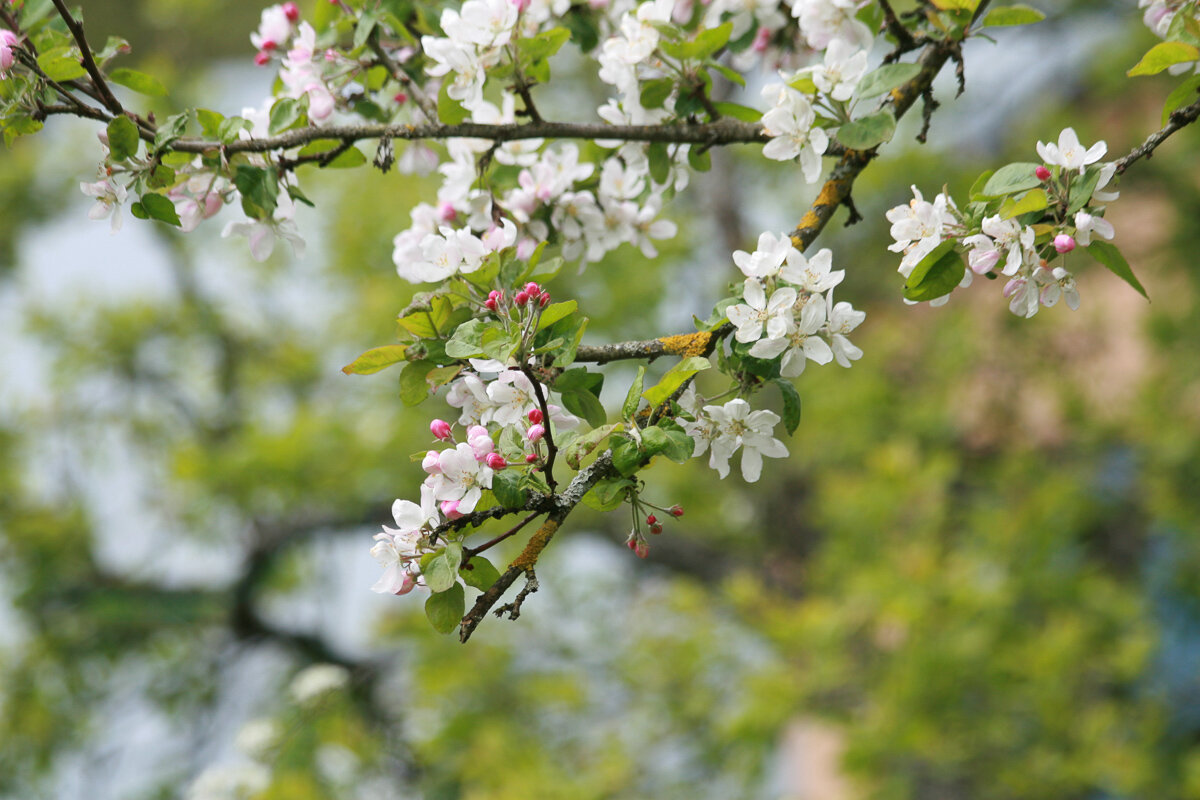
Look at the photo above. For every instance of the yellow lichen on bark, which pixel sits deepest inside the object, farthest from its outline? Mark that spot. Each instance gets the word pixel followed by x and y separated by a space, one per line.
pixel 537 543
pixel 687 344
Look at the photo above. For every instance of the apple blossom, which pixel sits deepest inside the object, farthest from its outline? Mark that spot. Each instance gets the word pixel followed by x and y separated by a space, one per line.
pixel 109 197
pixel 1088 224
pixel 736 426
pixel 1069 153
pixel 790 124
pixel 757 313
pixel 813 275
pixel 8 40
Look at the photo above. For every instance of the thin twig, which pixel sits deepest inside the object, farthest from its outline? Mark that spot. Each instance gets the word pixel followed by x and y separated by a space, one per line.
pixel 471 552
pixel 551 448
pixel 89 63
pixel 1178 119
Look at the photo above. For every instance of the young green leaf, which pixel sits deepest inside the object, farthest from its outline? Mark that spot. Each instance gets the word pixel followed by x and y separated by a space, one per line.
pixel 1108 255
pixel 445 609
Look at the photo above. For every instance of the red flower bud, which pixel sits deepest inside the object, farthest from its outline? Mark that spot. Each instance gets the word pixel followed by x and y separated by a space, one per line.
pixel 496 461
pixel 545 300
pixel 676 511
pixel 291 12
pixel 261 58
pixel 656 529
pixel 531 458
pixel 401 98
pixel 535 415
pixel 440 429
pixel 1042 173
pixel 532 289
pixel 521 298
pixel 650 520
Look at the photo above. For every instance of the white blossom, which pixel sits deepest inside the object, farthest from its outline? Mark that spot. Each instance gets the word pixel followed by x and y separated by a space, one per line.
pixel 790 126
pixel 1069 153
pixel 757 313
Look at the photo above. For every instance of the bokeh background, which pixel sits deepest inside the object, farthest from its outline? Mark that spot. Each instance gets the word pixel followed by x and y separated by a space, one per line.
pixel 977 576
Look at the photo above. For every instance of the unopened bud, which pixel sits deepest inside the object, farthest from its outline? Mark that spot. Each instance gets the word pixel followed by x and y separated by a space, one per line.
pixel 676 511
pixel 531 458
pixel 535 415
pixel 261 58
pixel 401 98
pixel 535 433
pixel 440 429
pixel 1063 243
pixel 490 303
pixel 642 548
pixel 450 509
pixel 496 461
pixel 650 520
pixel 544 300
pixel 532 289
pixel 656 529
pixel 521 298
pixel 291 11
pixel 1042 173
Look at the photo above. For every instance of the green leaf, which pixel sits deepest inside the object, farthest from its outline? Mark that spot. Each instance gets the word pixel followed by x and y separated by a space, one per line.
pixel 506 485
pixel 1082 188
pixel 362 29
pixel 674 378
pixel 428 323
pixel 581 446
pixel 1033 200
pixel 376 359
pixel 587 405
pixel 976 192
pixel 884 79
pixel 704 45
pixel 656 91
pixel 936 274
pixel 479 573
pixel 543 45
pixel 1163 55
pixel 347 159
pixel 1181 95
pixel 139 82
pixel 1012 15
pixel 737 111
pixel 210 121
pixel 791 404
pixel 1111 257
pixel 229 129
pixel 660 162
pixel 122 138
pixel 441 572
pixel 1012 178
pixel 160 208
pixel 467 341
pixel 440 376
pixel 413 388
pixel 579 379
pixel 61 64
pixel 627 458
pixel 258 188
pixel 567 356
pixel 445 609
pixel 161 177
pixel 731 75
pixel 171 129
pixel 284 114
pixel 674 444
pixel 449 110
pixel 699 158
pixel 608 494
pixel 803 83
pixel 556 311
pixel 634 397
pixel 867 132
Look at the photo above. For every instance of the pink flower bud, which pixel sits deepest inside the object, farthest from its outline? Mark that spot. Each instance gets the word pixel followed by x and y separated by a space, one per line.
pixel 761 39
pixel 535 415
pixel 446 212
pixel 532 289
pixel 291 12
pixel 535 433
pixel 531 458
pixel 431 464
pixel 521 299
pixel 450 509
pixel 490 303
pixel 655 529
pixel 496 461
pixel 440 429
pixel 521 4
pixel 544 300
pixel 676 511
pixel 1042 173
pixel 650 520
pixel 401 98
pixel 261 58
pixel 331 55
pixel 406 583
pixel 1063 243
pixel 642 548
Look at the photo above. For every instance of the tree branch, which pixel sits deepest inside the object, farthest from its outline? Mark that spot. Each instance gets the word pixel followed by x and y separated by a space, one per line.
pixel 89 63
pixel 1178 119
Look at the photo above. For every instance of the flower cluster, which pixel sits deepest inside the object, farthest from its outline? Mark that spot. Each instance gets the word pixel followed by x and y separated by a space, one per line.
pixel 1034 218
pixel 723 429
pixel 799 321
